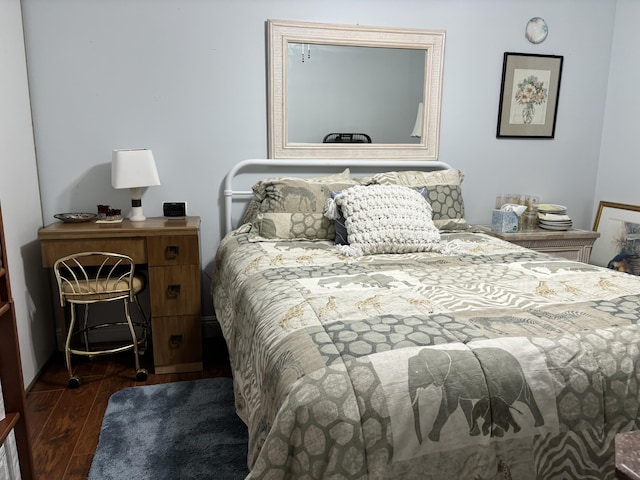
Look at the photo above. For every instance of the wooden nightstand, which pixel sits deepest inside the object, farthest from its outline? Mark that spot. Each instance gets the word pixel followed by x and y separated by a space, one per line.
pixel 171 251
pixel 571 244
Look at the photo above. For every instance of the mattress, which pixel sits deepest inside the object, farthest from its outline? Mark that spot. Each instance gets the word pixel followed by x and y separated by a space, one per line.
pixel 489 361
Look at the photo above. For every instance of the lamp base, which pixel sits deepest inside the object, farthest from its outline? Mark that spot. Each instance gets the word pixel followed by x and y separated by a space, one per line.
pixel 137 215
pixel 136 205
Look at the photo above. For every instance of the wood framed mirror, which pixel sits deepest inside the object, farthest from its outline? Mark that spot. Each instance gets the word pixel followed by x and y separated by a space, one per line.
pixel 376 82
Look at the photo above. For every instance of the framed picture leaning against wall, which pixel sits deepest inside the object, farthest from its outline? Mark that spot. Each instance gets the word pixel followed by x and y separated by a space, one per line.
pixel 619 244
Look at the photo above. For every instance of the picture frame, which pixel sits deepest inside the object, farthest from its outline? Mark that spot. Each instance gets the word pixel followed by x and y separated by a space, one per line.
pixel 529 95
pixel 618 246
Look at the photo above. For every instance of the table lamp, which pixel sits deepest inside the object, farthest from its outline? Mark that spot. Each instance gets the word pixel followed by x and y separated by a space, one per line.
pixel 134 168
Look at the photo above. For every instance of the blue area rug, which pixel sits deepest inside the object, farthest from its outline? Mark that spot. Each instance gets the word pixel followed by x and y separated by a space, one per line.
pixel 181 430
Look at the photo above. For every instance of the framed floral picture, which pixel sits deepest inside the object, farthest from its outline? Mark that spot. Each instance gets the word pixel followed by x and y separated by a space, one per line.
pixel 619 244
pixel 529 95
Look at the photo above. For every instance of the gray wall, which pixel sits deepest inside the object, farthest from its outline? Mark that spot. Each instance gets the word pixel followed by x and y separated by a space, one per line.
pixel 620 155
pixel 20 198
pixel 187 78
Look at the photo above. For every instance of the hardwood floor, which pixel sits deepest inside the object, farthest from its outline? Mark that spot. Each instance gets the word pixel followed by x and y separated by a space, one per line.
pixel 64 424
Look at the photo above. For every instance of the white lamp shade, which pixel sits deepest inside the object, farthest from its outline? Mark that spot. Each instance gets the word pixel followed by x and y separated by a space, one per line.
pixel 134 167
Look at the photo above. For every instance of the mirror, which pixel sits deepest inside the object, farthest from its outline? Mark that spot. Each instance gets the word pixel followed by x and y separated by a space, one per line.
pixel 376 82
pixel 371 90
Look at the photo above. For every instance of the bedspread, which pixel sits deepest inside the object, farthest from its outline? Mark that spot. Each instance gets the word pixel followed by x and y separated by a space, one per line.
pixel 494 362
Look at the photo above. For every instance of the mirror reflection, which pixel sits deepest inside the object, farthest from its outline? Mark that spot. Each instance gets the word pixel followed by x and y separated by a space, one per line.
pixel 369 91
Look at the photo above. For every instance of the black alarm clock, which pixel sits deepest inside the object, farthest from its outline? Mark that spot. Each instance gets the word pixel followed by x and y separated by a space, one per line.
pixel 174 209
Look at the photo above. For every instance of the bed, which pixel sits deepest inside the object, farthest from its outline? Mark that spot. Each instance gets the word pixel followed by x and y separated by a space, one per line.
pixel 464 357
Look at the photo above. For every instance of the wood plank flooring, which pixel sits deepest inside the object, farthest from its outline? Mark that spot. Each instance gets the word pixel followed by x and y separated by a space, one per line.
pixel 64 424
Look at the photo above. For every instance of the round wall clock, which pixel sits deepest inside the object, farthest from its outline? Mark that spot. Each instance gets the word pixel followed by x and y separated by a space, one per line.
pixel 536 30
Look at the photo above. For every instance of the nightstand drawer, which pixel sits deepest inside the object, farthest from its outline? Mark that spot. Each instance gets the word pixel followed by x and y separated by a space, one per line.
pixel 175 290
pixel 173 250
pixel 577 254
pixel 572 244
pixel 52 250
pixel 177 343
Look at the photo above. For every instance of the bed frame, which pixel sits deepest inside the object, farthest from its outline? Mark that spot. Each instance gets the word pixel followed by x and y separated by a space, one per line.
pixel 382 165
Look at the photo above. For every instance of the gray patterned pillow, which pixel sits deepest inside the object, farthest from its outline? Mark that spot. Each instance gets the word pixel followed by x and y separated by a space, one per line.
pixel 292 208
pixel 260 187
pixel 293 226
pixel 444 193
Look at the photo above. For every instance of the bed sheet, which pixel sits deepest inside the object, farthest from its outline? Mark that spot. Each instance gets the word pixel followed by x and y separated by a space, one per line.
pixel 494 362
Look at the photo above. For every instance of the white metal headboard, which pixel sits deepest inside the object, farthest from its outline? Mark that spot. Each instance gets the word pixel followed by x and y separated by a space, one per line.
pixel 382 165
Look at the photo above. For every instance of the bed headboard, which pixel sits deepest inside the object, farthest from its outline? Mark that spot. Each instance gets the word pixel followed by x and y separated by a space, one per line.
pixel 296 165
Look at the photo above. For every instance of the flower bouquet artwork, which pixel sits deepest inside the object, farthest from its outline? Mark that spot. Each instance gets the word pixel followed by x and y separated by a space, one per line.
pixel 529 93
pixel 529 96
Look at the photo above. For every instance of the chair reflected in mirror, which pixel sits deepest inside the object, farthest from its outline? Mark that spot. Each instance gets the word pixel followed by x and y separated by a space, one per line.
pixel 346 138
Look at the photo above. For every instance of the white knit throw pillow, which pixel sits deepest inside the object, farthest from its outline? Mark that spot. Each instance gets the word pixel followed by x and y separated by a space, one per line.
pixel 385 219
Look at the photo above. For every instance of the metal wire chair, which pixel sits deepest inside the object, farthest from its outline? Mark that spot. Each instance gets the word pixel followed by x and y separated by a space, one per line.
pixel 100 277
pixel 346 138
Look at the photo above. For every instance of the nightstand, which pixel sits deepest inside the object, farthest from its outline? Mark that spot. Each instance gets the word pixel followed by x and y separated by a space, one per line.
pixel 571 244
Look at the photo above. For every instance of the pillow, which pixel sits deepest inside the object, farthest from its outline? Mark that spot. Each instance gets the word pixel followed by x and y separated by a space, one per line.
pixel 341 236
pixel 259 190
pixel 444 193
pixel 385 219
pixel 292 226
pixel 292 208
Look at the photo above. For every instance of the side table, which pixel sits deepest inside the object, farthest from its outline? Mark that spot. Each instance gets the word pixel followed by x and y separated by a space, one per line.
pixel 573 244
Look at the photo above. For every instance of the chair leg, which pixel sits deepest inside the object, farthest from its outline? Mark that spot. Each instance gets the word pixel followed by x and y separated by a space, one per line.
pixel 74 380
pixel 85 331
pixel 141 373
pixel 145 325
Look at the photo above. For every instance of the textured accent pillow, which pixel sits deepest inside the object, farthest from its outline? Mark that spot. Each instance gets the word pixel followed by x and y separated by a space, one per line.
pixel 444 193
pixel 260 187
pixel 341 236
pixel 385 219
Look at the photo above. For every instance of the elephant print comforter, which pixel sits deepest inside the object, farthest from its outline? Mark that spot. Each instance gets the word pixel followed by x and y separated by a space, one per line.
pixel 495 362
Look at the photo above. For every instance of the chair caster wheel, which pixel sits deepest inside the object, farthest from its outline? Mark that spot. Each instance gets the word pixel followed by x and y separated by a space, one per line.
pixel 74 382
pixel 141 375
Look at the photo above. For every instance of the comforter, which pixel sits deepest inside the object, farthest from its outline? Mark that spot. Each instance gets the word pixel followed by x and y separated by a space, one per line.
pixel 491 362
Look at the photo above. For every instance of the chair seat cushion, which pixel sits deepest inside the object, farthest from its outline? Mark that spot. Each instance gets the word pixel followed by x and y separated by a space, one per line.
pixel 102 289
